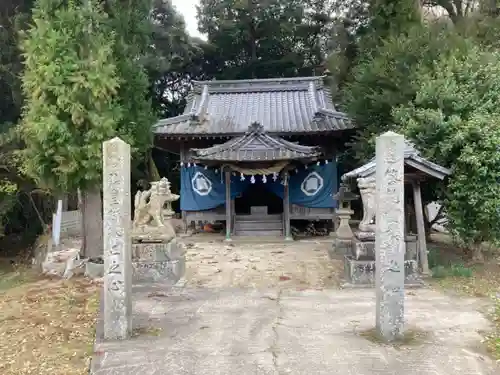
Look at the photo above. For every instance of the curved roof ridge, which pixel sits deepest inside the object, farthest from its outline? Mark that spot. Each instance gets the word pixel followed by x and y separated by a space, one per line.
pixel 255 145
pixel 259 80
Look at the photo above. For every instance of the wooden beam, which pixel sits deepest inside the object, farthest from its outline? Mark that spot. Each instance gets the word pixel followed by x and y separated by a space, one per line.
pixel 426 169
pixel 419 214
pixel 286 209
pixel 228 205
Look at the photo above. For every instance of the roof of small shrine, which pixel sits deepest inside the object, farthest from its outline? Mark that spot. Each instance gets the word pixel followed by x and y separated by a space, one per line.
pixel 412 159
pixel 282 106
pixel 255 146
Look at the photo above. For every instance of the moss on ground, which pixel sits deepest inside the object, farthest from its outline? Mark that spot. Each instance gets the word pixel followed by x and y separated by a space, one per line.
pixel 410 337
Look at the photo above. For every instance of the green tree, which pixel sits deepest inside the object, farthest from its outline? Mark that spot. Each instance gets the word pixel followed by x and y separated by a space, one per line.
pixel 454 119
pixel 388 18
pixel 79 94
pixel 18 196
pixel 266 39
pixel 361 27
pixel 386 79
pixel 174 60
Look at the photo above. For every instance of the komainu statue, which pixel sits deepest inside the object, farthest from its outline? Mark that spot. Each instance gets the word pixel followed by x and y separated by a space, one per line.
pixel 149 214
pixel 367 188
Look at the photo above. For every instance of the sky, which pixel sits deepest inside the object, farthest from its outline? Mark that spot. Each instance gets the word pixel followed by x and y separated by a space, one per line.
pixel 188 9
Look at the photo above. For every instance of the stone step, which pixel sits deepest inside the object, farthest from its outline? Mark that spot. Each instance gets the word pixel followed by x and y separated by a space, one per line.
pixel 253 225
pixel 259 233
pixel 274 217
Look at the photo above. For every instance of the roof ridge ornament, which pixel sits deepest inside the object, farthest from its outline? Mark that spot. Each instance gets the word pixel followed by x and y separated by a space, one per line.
pixel 255 127
pixel 312 94
pixel 197 114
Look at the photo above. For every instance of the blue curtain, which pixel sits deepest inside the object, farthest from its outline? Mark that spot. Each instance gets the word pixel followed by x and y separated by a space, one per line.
pixel 204 189
pixel 312 187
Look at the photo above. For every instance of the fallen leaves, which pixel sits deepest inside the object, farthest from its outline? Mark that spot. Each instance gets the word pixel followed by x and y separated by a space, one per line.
pixel 47 326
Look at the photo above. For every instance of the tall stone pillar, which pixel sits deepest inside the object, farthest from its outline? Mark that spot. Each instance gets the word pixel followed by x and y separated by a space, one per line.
pixel 389 236
pixel 117 241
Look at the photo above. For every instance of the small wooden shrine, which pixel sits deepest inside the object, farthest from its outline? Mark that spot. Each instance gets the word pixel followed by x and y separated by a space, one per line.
pixel 417 171
pixel 257 154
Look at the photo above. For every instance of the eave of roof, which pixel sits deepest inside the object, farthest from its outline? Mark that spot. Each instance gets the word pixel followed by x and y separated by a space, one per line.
pixel 255 146
pixel 412 158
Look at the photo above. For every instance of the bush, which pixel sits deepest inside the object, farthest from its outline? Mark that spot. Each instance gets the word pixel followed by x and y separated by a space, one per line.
pixel 454 121
pixel 439 272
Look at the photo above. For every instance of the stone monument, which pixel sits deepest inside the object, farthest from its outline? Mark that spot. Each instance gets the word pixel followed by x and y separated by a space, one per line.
pixel 116 238
pixel 389 236
pixel 157 256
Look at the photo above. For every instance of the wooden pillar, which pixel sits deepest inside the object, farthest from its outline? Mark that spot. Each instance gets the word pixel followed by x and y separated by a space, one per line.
pixel 286 209
pixel 335 218
pixel 419 216
pixel 233 213
pixel 182 157
pixel 228 205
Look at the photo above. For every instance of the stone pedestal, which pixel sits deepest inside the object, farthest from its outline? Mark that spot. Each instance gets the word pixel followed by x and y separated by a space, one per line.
pixel 359 267
pixel 362 272
pixel 363 249
pixel 158 262
pixel 363 245
pixel 342 243
pixel 344 230
pixel 340 247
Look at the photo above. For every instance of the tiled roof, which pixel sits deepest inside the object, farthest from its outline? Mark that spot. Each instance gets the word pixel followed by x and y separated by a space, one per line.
pixel 255 145
pixel 281 106
pixel 412 158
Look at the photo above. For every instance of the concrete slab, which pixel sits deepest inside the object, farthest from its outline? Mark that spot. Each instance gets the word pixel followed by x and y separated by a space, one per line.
pixel 314 332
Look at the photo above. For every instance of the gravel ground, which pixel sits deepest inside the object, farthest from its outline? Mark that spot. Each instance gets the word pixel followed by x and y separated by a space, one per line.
pixel 298 264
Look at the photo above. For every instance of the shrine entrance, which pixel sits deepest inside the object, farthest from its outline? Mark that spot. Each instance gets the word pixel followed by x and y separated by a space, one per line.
pixel 258 195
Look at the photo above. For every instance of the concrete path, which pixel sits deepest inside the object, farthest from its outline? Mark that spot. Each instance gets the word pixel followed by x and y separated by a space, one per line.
pixel 311 332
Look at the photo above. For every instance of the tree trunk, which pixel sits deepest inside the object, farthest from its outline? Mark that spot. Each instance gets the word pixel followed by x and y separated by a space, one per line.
pixel 91 207
pixel 64 198
pixel 427 226
pixel 477 255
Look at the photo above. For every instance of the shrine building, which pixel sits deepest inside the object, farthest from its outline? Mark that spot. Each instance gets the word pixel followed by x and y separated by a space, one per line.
pixel 258 153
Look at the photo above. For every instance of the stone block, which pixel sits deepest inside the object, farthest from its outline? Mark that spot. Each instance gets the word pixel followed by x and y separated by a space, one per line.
pixel 340 247
pixel 164 272
pixel 364 236
pixel 363 249
pixel 362 272
pixel 158 262
pixel 157 251
pixel 94 270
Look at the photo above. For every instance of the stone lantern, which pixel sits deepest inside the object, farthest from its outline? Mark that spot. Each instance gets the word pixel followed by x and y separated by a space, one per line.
pixel 343 233
pixel 344 196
